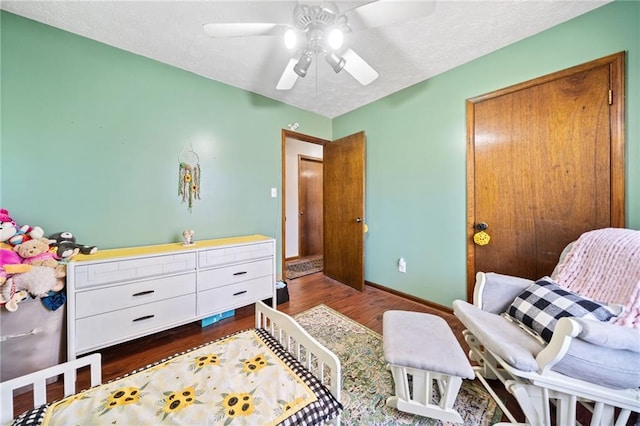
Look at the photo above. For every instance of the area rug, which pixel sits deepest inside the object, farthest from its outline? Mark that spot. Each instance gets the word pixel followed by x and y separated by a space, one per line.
pixel 302 267
pixel 366 383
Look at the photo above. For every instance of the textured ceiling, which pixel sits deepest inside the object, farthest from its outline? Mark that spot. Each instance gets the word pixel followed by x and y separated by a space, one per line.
pixel 403 54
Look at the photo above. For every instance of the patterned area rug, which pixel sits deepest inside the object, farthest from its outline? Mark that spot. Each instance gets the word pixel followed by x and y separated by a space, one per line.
pixel 302 267
pixel 367 383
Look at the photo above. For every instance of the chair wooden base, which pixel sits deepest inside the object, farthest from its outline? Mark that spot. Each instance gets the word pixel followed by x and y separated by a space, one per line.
pixel 419 399
pixel 536 393
pixel 416 363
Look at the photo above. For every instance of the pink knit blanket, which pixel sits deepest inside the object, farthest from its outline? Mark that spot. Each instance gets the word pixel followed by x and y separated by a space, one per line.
pixel 604 265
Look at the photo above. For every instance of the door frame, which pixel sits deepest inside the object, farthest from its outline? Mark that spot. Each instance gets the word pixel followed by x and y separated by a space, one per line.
pixel 289 134
pixel 616 64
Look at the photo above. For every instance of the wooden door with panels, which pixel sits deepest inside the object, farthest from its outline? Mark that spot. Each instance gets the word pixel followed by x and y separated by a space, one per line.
pixel 344 177
pixel 310 172
pixel 545 163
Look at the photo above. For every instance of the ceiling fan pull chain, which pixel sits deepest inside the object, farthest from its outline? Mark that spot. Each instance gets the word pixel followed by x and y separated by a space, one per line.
pixel 316 65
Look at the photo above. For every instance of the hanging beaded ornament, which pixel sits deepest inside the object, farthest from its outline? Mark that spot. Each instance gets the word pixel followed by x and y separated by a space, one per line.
pixel 189 177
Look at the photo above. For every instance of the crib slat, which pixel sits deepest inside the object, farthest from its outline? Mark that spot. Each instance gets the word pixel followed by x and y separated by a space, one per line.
pixel 38 381
pixel 39 391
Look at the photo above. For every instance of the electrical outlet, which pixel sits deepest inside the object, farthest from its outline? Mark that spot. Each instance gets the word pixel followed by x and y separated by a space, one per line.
pixel 402 265
pixel 274 192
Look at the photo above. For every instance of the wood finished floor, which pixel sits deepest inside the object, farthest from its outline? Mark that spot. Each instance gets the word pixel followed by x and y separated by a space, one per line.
pixel 365 307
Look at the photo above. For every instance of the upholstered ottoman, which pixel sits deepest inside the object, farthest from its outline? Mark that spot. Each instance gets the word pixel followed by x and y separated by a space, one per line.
pixel 424 347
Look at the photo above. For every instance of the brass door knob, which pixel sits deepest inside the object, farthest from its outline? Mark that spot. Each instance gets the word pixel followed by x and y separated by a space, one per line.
pixel 481 226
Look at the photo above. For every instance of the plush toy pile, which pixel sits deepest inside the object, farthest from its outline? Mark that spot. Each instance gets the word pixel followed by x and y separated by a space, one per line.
pixel 34 265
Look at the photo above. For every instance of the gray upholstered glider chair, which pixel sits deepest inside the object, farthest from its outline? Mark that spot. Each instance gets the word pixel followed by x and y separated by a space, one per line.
pixel 566 340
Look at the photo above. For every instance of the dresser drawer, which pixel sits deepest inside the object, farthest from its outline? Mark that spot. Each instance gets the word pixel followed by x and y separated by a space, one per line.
pixel 234 295
pixel 93 302
pixel 126 324
pixel 224 256
pixel 219 277
pixel 123 270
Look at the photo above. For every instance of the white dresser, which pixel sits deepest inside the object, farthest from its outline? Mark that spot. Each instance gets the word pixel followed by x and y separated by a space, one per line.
pixel 122 294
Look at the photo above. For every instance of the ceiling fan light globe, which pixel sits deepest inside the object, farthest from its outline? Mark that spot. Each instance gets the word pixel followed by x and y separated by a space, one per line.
pixel 290 39
pixel 335 39
pixel 303 65
pixel 336 62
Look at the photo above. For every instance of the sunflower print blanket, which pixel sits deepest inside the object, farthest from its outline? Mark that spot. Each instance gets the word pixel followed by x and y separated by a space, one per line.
pixel 242 379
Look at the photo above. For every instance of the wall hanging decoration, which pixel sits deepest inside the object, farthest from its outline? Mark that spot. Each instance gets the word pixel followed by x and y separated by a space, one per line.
pixel 189 176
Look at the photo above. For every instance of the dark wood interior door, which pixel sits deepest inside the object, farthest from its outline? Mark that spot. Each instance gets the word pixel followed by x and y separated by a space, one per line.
pixel 309 206
pixel 545 163
pixel 344 174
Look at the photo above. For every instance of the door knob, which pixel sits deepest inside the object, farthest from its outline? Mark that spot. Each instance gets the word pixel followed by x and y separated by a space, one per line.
pixel 358 219
pixel 481 226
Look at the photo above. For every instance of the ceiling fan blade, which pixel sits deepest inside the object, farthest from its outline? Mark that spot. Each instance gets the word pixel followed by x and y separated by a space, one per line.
pixel 358 68
pixel 243 29
pixel 289 77
pixel 387 12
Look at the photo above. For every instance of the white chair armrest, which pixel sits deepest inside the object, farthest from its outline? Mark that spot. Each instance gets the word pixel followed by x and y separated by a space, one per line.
pixel 495 292
pixel 580 349
pixel 478 290
pixel 566 329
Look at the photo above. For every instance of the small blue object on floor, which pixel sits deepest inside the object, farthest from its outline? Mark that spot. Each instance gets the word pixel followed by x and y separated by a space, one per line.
pixel 215 318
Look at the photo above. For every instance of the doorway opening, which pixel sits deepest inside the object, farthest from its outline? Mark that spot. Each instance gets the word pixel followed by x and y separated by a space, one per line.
pixel 302 203
pixel 343 220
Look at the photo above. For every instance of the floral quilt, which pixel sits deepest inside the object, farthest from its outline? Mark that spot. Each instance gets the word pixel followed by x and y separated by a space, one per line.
pixel 243 379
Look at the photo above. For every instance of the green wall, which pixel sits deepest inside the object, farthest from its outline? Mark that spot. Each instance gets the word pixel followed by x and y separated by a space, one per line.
pixel 91 137
pixel 416 149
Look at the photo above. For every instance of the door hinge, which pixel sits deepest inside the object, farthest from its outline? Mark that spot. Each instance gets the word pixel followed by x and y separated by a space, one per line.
pixel 610 97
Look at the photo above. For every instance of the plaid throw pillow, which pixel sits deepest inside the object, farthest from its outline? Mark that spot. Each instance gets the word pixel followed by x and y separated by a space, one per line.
pixel 543 303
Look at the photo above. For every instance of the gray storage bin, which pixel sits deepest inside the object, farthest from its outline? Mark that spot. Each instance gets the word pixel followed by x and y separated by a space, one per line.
pixel 33 338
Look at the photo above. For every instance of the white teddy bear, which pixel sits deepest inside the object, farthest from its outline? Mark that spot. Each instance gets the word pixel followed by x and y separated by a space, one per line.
pixel 39 280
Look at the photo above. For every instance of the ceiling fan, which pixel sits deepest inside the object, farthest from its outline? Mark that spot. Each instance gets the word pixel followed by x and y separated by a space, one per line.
pixel 317 29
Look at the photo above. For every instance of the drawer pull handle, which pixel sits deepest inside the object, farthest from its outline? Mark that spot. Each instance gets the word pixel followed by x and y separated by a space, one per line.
pixel 142 293
pixel 240 273
pixel 146 317
pixel 240 292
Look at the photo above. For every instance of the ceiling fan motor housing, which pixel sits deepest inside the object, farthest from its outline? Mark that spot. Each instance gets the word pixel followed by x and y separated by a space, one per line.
pixel 316 21
pixel 305 16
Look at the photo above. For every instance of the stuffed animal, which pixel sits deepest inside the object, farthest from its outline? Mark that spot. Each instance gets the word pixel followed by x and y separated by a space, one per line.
pixel 26 233
pixel 7 230
pixel 4 216
pixel 36 252
pixel 7 226
pixel 18 296
pixel 40 280
pixel 14 234
pixel 10 297
pixel 10 263
pixel 66 246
